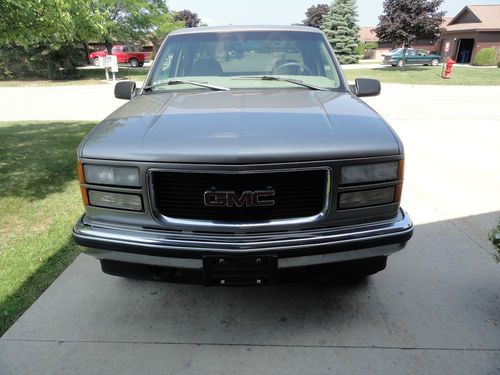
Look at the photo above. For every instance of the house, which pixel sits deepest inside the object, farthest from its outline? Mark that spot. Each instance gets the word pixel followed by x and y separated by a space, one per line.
pixel 367 34
pixel 473 28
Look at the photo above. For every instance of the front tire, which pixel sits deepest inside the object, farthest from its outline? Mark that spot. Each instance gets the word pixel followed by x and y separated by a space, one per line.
pixel 434 62
pixel 400 63
pixel 95 61
pixel 134 63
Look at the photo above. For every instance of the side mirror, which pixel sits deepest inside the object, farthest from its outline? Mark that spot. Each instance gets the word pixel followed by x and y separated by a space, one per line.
pixel 125 90
pixel 367 87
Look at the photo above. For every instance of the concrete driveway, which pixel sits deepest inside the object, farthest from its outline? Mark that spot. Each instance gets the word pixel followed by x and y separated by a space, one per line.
pixel 52 103
pixel 435 310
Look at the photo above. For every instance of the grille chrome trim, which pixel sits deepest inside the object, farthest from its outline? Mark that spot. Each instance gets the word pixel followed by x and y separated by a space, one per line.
pixel 243 225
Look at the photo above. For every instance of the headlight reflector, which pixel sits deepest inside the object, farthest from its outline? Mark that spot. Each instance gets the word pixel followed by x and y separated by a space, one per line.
pixel 356 199
pixel 109 175
pixel 115 200
pixel 355 174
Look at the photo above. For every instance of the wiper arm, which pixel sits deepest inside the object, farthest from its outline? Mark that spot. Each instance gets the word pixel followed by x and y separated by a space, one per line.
pixel 289 80
pixel 182 82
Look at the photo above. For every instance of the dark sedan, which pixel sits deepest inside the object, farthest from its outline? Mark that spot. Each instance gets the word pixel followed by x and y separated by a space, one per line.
pixel 413 56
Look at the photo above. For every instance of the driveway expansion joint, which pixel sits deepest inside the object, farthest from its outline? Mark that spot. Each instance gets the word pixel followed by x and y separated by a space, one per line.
pixel 168 343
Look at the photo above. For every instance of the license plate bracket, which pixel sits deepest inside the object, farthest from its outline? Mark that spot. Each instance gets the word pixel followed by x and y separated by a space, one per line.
pixel 240 270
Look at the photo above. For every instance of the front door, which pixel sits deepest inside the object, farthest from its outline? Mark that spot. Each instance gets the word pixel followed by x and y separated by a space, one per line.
pixel 120 55
pixel 421 57
pixel 411 57
pixel 464 51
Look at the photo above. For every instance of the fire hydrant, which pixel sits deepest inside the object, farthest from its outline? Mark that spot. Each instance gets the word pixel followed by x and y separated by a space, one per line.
pixel 448 67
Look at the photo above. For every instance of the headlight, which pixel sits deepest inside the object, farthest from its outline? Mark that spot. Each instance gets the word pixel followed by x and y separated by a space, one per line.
pixel 366 198
pixel 355 174
pixel 109 175
pixel 115 200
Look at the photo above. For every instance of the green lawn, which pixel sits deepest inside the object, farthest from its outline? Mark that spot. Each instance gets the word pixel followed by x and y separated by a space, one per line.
pixel 415 75
pixel 420 75
pixel 39 203
pixel 89 77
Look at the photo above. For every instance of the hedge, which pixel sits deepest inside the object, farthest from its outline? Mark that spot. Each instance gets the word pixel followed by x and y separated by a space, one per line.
pixel 485 57
pixel 41 62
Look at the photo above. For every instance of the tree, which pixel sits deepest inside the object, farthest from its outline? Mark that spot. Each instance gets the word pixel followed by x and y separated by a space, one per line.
pixel 133 20
pixel 315 15
pixel 341 28
pixel 39 37
pixel 49 22
pixel 405 21
pixel 189 18
pixel 163 25
pixel 58 22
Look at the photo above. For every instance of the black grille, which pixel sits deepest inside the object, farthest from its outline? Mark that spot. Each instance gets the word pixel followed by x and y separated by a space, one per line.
pixel 297 194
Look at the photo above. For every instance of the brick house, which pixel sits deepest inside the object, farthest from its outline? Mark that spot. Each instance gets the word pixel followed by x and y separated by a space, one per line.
pixel 367 34
pixel 473 28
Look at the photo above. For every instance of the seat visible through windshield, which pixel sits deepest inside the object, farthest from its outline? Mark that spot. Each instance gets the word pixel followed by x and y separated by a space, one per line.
pixel 220 56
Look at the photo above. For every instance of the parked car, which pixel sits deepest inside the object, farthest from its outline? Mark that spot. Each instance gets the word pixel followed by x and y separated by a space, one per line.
pixel 263 170
pixel 124 54
pixel 413 56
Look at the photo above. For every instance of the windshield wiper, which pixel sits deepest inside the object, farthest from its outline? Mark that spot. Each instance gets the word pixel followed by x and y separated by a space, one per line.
pixel 289 80
pixel 182 82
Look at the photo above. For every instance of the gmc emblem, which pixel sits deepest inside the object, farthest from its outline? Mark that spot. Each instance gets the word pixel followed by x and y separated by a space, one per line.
pixel 255 198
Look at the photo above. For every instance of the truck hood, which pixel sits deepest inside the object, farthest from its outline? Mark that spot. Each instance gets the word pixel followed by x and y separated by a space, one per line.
pixel 241 126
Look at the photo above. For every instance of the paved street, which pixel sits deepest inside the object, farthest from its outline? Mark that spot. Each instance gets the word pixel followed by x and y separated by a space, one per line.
pixel 435 310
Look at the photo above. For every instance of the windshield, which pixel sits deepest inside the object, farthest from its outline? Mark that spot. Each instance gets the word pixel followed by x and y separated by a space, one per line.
pixel 228 59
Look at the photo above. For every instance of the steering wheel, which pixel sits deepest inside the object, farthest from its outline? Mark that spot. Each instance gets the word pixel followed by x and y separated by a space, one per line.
pixel 303 67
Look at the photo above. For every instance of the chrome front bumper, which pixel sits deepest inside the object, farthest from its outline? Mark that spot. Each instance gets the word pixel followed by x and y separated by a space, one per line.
pixel 293 249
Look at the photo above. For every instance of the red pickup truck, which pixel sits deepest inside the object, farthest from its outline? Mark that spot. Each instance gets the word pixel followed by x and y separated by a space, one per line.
pixel 124 54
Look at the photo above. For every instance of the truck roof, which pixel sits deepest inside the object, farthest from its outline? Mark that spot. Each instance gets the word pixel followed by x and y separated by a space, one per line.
pixel 222 29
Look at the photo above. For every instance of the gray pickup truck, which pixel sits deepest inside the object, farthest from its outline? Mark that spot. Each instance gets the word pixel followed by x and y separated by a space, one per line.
pixel 244 159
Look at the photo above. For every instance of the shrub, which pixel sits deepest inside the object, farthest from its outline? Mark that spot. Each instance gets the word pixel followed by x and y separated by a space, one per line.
pixel 485 57
pixel 495 238
pixel 363 46
pixel 41 62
